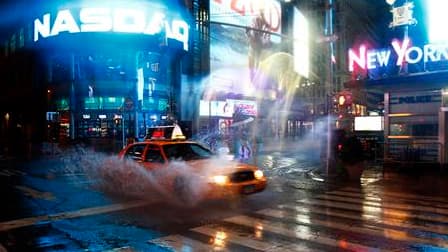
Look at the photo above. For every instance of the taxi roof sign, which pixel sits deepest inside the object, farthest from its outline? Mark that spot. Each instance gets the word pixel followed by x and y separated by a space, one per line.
pixel 170 132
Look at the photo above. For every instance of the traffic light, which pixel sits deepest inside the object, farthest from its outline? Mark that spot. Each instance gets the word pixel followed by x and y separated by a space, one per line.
pixel 344 99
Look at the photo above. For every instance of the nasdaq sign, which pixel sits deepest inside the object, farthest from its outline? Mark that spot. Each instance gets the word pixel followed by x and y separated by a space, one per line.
pixel 121 20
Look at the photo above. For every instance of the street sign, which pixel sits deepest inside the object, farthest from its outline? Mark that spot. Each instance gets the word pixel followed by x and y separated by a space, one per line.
pixel 403 15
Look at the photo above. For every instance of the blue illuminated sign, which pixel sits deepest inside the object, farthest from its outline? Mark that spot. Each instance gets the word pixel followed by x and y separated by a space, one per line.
pixel 120 20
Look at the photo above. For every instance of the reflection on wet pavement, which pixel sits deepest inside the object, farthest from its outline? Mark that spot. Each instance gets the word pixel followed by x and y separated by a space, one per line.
pixel 375 215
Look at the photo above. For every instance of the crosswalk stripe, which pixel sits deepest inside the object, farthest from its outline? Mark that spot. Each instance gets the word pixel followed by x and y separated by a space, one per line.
pixel 373 209
pixel 375 192
pixel 250 240
pixel 389 198
pixel 387 233
pixel 368 218
pixel 182 243
pixel 35 193
pixel 9 173
pixel 5 173
pixel 13 224
pixel 385 204
pixel 122 249
pixel 278 228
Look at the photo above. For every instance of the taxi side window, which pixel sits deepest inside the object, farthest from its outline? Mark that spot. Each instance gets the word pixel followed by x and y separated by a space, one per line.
pixel 135 152
pixel 154 155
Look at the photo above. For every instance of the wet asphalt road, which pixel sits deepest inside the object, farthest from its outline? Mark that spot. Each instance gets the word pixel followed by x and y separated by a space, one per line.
pixel 56 204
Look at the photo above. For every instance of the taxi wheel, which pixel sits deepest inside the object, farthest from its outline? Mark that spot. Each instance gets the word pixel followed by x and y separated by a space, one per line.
pixel 182 190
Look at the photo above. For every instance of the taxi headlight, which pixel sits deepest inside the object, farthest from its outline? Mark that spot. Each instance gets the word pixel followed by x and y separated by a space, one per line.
pixel 258 174
pixel 220 179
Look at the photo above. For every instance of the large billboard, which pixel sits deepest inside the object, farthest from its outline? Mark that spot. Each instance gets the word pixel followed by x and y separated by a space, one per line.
pixel 242 34
pixel 301 46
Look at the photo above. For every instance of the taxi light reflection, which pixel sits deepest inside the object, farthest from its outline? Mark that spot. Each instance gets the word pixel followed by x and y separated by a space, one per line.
pixel 258 174
pixel 220 239
pixel 220 179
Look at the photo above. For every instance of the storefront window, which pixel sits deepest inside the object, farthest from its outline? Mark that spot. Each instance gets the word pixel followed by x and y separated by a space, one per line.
pixel 112 102
pixel 417 126
pixel 163 103
pixel 100 67
pixel 92 103
pixel 60 69
pixel 62 104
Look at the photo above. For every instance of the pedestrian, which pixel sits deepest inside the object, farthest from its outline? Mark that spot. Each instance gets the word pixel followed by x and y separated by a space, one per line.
pixel 245 151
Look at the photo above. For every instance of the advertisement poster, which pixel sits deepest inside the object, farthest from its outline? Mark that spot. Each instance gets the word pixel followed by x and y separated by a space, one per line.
pixel 228 108
pixel 242 33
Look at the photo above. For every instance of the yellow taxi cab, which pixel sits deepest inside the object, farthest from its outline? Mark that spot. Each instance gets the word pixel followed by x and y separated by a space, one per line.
pixel 191 170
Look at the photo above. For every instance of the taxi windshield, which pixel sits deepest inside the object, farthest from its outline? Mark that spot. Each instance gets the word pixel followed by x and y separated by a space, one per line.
pixel 186 151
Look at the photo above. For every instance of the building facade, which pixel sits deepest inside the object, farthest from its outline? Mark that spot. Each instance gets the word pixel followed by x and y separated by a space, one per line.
pixel 102 72
pixel 99 71
pixel 408 67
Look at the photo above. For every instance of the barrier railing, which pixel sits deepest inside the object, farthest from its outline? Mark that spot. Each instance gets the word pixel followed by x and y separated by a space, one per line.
pixel 413 152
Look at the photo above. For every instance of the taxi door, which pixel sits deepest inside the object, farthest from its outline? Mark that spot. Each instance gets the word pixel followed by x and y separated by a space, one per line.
pixel 154 161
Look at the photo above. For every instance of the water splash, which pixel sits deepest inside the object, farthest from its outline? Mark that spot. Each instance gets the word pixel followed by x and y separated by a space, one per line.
pixel 127 179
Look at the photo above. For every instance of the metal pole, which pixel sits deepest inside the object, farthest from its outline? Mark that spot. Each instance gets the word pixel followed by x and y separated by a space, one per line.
pixel 72 98
pixel 122 130
pixel 329 82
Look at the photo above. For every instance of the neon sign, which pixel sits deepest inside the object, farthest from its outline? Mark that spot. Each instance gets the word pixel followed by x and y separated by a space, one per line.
pixel 110 20
pixel 373 58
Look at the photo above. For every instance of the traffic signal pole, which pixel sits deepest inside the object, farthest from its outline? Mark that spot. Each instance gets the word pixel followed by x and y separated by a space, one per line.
pixel 329 83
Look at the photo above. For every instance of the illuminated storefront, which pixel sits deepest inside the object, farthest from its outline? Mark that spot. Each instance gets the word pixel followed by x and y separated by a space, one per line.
pixel 415 128
pixel 110 68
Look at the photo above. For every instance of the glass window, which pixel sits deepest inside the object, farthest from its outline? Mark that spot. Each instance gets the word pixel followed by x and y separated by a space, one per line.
pixel 186 151
pixel 60 69
pixel 414 126
pixel 154 155
pixel 135 152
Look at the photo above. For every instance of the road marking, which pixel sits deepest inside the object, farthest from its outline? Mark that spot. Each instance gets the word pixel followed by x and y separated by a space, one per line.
pixel 328 220
pixel 25 222
pixel 243 239
pixel 9 173
pixel 399 206
pixel 35 193
pixel 384 198
pixel 367 218
pixel 378 192
pixel 280 229
pixel 122 249
pixel 388 233
pixel 373 210
pixel 181 243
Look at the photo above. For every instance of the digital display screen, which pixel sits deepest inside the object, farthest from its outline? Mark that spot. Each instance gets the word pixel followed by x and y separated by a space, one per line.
pixel 369 123
pixel 301 43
